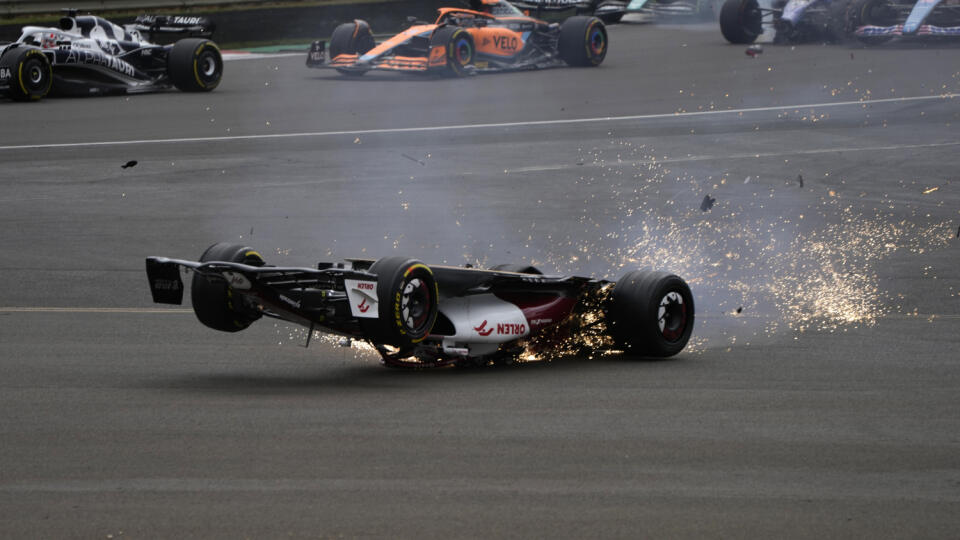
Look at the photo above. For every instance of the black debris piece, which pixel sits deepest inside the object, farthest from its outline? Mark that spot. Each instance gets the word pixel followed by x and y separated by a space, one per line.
pixel 411 158
pixel 127 165
pixel 800 179
pixel 739 310
pixel 958 232
pixel 707 203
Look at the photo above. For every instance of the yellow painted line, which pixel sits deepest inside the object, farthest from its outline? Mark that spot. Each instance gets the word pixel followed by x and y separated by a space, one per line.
pixel 89 310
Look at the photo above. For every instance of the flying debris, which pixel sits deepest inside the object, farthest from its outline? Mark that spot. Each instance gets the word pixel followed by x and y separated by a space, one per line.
pixel 411 158
pixel 958 232
pixel 707 203
pixel 800 179
pixel 739 310
pixel 754 50
pixel 127 165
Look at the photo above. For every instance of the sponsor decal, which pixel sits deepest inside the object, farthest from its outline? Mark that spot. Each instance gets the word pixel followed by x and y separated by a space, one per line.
pixel 99 59
pixel 511 329
pixel 362 295
pixel 5 73
pixel 506 43
pixel 237 281
pixel 438 56
pixel 166 285
pixel 187 20
pixel 482 329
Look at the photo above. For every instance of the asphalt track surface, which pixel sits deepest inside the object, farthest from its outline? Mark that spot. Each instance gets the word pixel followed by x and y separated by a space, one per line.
pixel 820 397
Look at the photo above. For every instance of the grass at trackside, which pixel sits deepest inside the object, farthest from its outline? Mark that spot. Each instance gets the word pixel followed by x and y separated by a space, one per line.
pixel 53 17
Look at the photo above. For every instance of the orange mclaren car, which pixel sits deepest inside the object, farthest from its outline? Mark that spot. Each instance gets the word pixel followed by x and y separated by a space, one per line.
pixel 495 36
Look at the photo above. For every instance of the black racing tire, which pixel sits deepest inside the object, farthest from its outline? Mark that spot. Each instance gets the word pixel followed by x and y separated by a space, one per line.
pixel 651 314
pixel 583 41
pixel 195 65
pixel 351 38
pixel 32 74
pixel 214 301
pixel 870 12
pixel 741 21
pixel 518 269
pixel 407 302
pixel 459 50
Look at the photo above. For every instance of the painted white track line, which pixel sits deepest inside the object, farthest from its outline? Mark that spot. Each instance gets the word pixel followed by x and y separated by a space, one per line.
pixel 465 127
pixel 750 155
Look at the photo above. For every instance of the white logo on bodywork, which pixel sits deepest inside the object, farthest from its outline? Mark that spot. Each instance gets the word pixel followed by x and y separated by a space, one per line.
pixel 362 295
pixel 237 281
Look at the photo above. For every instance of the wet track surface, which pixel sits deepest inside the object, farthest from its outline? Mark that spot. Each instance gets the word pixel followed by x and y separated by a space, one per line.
pixel 819 397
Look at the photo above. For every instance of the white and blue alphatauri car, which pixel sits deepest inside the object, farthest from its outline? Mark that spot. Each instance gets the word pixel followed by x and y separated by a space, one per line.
pixel 89 55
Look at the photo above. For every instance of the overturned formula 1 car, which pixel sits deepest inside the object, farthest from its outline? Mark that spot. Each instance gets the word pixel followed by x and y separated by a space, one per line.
pixel 793 21
pixel 465 41
pixel 426 316
pixel 89 55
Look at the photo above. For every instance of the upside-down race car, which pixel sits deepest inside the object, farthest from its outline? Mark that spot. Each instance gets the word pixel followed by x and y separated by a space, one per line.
pixel 877 21
pixel 90 55
pixel 426 316
pixel 464 41
pixel 741 21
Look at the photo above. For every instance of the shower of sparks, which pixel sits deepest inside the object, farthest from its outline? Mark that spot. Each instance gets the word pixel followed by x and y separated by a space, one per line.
pixel 768 259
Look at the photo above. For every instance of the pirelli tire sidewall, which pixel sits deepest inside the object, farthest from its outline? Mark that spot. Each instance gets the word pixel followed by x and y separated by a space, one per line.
pixel 31 75
pixel 408 302
pixel 459 49
pixel 216 304
pixel 195 65
pixel 583 41
pixel 651 314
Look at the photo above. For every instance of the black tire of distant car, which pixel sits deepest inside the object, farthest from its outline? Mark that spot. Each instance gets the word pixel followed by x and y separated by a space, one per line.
pixel 33 75
pixel 651 314
pixel 870 12
pixel 518 269
pixel 583 41
pixel 460 49
pixel 195 65
pixel 213 300
pixel 741 21
pixel 351 38
pixel 408 302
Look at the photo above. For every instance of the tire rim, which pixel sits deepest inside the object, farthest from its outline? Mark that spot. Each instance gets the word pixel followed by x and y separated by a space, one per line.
pixel 208 66
pixel 598 42
pixel 36 75
pixel 464 52
pixel 672 316
pixel 415 305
